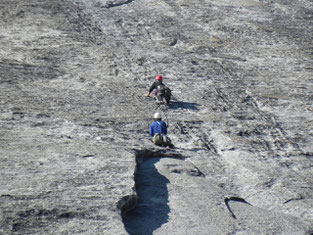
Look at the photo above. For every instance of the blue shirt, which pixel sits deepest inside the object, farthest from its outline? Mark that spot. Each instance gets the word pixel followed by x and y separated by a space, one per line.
pixel 158 127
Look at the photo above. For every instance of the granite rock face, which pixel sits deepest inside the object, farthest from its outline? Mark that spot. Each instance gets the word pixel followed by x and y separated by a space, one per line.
pixel 75 152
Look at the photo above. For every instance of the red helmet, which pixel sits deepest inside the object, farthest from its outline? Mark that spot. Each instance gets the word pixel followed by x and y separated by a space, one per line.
pixel 159 77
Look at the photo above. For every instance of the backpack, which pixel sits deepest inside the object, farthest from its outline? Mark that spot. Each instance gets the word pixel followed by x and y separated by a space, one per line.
pixel 167 92
pixel 158 139
pixel 164 91
pixel 161 89
pixel 162 140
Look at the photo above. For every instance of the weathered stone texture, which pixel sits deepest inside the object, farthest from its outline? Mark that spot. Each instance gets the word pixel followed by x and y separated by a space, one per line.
pixel 74 121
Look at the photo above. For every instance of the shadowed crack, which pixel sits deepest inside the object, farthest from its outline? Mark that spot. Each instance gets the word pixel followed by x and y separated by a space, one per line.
pixel 144 213
pixel 160 153
pixel 209 146
pixel 127 203
pixel 294 199
pixel 112 4
pixel 196 172
pixel 236 199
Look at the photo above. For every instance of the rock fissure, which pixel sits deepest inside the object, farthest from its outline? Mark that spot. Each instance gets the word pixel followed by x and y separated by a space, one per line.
pixel 73 76
pixel 294 199
pixel 112 4
pixel 209 146
pixel 236 199
pixel 147 209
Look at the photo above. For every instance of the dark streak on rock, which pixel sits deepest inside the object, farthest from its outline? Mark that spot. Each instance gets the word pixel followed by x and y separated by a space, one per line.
pixel 193 172
pixel 36 218
pixel 308 154
pixel 88 155
pixel 236 199
pixel 93 125
pixel 209 146
pixel 181 128
pixel 196 172
pixel 294 199
pixel 140 154
pixel 41 115
pixel 27 197
pixel 110 5
pixel 6 195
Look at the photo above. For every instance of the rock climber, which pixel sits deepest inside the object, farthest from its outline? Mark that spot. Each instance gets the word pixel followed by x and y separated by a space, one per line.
pixel 158 131
pixel 162 92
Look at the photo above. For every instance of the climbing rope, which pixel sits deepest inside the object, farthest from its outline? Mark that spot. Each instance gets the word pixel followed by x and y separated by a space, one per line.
pixel 163 112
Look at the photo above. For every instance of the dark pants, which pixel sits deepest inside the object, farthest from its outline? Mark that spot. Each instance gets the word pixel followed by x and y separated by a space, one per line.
pixel 163 99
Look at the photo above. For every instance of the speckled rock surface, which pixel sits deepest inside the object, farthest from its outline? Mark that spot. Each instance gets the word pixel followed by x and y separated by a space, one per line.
pixel 75 152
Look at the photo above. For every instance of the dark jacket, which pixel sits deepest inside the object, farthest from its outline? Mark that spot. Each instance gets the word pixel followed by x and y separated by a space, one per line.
pixel 158 127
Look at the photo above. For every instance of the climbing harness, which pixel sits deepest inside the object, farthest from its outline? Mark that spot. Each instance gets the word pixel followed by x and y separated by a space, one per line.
pixel 163 108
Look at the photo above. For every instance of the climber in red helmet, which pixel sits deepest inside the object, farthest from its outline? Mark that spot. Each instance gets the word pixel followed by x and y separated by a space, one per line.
pixel 161 91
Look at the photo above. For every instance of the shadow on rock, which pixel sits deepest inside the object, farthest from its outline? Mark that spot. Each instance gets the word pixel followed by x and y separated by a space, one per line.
pixel 151 210
pixel 183 105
